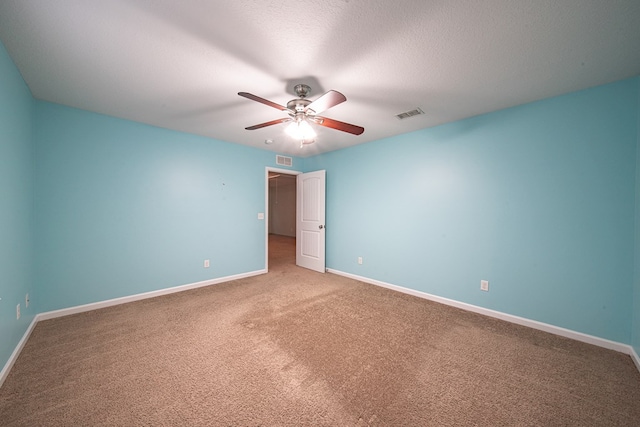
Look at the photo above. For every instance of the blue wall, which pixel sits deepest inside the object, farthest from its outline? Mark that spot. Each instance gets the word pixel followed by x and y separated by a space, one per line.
pixel 124 208
pixel 16 205
pixel 537 199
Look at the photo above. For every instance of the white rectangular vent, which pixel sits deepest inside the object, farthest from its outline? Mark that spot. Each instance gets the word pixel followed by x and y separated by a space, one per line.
pixel 284 160
pixel 408 114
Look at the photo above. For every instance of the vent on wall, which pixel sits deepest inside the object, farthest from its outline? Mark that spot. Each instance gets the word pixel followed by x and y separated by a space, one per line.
pixel 408 114
pixel 284 160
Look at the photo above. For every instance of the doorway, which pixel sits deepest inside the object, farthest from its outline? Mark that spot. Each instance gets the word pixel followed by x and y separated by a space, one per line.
pixel 280 217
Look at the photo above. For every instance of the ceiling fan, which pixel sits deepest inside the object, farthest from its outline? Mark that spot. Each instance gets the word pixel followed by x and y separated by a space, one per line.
pixel 302 111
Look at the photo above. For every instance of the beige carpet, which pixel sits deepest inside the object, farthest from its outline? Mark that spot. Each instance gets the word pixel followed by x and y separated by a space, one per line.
pixel 295 347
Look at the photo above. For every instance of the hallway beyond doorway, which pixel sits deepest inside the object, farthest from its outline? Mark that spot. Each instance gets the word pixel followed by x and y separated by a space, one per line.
pixel 282 250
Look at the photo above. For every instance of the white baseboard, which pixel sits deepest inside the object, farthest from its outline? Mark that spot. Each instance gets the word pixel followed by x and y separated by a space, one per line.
pixel 568 333
pixel 108 303
pixel 601 342
pixel 635 358
pixel 16 351
pixel 137 297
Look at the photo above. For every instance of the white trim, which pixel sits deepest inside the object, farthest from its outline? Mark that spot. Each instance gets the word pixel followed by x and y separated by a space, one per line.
pixel 266 208
pixel 578 336
pixel 635 357
pixel 123 300
pixel 612 345
pixel 17 350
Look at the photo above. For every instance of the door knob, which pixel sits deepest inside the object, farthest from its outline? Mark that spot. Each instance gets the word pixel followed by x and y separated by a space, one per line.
pixel 321 226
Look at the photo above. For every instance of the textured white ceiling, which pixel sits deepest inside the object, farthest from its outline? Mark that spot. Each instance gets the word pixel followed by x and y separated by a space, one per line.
pixel 180 65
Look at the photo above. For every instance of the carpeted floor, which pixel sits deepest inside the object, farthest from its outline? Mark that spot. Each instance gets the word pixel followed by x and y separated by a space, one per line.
pixel 294 347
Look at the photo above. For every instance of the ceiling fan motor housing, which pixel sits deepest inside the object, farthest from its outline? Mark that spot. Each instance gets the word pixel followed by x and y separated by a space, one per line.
pixel 298 105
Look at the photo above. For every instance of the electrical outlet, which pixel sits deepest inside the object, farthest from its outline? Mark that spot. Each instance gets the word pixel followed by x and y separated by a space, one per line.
pixel 26 301
pixel 360 260
pixel 206 263
pixel 18 312
pixel 484 285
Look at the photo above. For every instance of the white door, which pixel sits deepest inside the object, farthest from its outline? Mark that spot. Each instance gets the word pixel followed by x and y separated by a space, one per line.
pixel 310 221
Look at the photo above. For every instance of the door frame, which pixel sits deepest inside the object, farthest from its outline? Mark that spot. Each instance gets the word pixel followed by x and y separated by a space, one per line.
pixel 266 208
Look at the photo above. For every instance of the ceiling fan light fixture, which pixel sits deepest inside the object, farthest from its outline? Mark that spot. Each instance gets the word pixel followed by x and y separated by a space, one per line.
pixel 301 130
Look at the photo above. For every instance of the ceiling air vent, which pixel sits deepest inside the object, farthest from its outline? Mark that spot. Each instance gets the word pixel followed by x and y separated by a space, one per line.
pixel 408 114
pixel 284 160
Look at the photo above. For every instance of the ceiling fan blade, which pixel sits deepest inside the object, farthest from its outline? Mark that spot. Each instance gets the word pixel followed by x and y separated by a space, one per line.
pixel 263 101
pixel 272 122
pixel 326 101
pixel 335 124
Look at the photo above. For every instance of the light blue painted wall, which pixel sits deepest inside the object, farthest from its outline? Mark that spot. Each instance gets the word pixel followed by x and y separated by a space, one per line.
pixel 124 208
pixel 537 199
pixel 636 290
pixel 16 205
